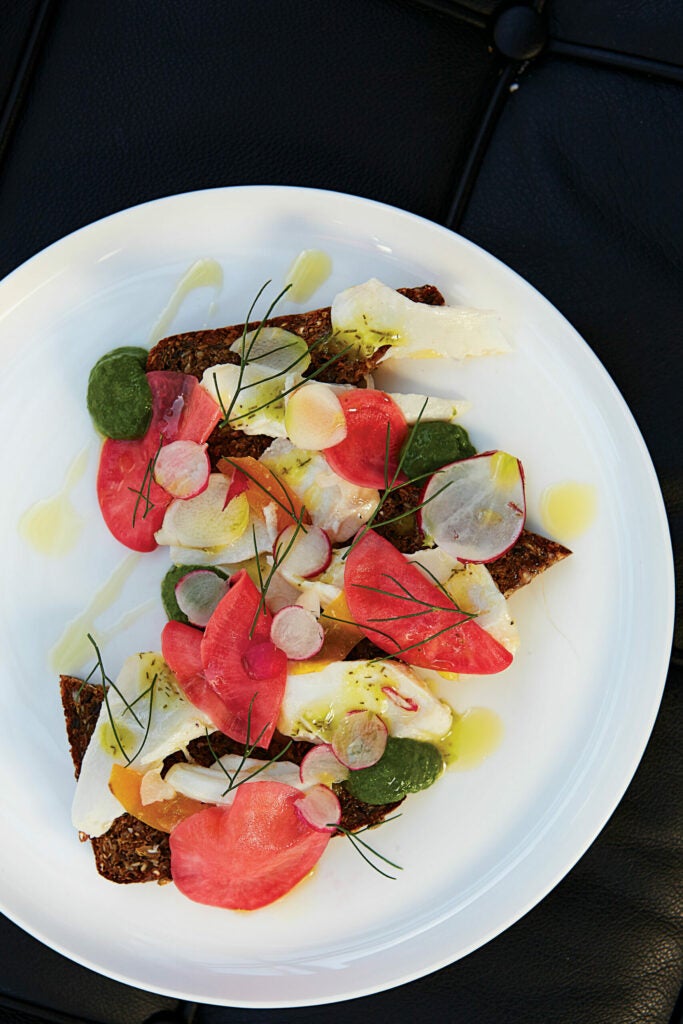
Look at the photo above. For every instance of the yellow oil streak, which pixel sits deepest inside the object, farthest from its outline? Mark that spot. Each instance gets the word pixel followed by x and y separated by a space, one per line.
pixel 73 649
pixel 473 737
pixel 204 273
pixel 52 526
pixel 568 509
pixel 308 272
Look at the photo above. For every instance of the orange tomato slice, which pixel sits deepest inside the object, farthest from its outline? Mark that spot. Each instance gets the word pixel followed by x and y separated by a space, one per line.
pixel 164 815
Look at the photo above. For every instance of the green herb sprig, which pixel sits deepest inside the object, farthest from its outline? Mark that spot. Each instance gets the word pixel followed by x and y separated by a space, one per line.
pixel 145 489
pixel 107 682
pixel 360 846
pixel 233 779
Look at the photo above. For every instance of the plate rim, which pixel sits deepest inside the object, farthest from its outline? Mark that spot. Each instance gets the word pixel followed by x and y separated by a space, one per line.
pixel 15 277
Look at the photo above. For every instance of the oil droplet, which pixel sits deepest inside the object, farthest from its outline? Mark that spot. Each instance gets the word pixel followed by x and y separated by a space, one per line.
pixel 52 526
pixel 568 509
pixel 204 273
pixel 308 272
pixel 73 649
pixel 473 736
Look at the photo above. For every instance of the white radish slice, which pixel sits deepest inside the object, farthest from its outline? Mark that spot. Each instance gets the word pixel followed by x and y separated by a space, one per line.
pixel 320 808
pixel 297 632
pixel 182 468
pixel 359 740
pixel 280 593
pixel 302 555
pixel 274 349
pixel 314 418
pixel 198 594
pixel 321 765
pixel 481 510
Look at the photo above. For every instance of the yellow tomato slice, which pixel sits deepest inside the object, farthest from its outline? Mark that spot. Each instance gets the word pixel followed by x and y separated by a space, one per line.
pixel 162 814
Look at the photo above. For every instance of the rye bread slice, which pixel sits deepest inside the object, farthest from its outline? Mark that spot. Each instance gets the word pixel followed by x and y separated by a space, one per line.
pixel 130 850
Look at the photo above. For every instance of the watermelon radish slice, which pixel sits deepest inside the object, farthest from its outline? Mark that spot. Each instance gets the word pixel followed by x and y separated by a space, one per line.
pixel 476 507
pixel 302 555
pixel 359 739
pixel 247 855
pixel 320 808
pixel 182 468
pixel 198 593
pixel 385 595
pixel 297 632
pixel 321 765
pixel 132 503
pixel 376 431
pixel 181 650
pixel 246 671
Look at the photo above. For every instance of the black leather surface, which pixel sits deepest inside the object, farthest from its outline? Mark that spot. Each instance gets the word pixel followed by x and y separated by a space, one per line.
pixel 578 188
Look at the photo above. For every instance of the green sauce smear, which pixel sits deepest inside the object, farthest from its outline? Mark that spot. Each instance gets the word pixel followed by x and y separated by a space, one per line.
pixel 119 396
pixel 406 766
pixel 435 444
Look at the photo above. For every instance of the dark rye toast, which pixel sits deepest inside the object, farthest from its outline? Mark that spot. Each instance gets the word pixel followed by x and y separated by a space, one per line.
pixel 131 851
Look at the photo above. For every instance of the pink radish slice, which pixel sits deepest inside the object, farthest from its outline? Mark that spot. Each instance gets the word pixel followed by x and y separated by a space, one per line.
pixel 309 555
pixel 481 510
pixel 321 765
pixel 198 594
pixel 404 703
pixel 297 632
pixel 320 809
pixel 359 739
pixel 182 468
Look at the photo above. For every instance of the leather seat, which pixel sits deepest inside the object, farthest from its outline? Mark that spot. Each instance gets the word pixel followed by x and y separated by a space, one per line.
pixel 552 138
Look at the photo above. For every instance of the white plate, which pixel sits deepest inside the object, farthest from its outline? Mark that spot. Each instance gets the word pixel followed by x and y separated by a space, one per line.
pixel 480 848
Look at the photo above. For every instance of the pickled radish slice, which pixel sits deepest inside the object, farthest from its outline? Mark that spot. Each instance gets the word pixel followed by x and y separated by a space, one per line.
pixel 321 765
pixel 320 808
pixel 249 854
pixel 302 555
pixel 182 468
pixel 376 431
pixel 359 739
pixel 480 512
pixel 198 594
pixel 404 703
pixel 314 418
pixel 297 632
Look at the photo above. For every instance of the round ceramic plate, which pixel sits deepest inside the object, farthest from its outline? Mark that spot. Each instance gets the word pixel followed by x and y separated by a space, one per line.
pixel 482 846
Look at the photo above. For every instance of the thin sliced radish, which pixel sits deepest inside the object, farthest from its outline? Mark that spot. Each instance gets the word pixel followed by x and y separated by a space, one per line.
pixel 480 510
pixel 302 555
pixel 404 703
pixel 182 468
pixel 321 765
pixel 198 594
pixel 359 739
pixel 320 809
pixel 314 418
pixel 297 632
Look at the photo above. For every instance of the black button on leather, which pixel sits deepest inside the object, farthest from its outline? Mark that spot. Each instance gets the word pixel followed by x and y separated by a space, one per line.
pixel 520 33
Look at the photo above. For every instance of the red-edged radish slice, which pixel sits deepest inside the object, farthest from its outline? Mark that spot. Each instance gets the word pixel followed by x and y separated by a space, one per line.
pixel 359 739
pixel 480 513
pixel 182 468
pixel 297 632
pixel 249 854
pixel 404 703
pixel 304 555
pixel 321 765
pixel 376 431
pixel 320 809
pixel 198 594
pixel 314 418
